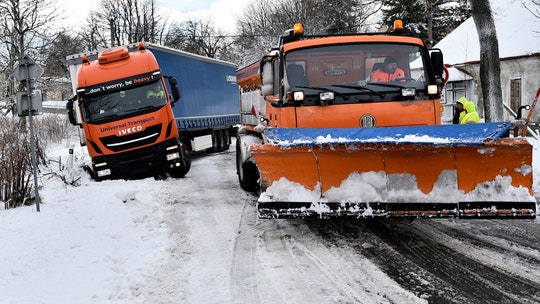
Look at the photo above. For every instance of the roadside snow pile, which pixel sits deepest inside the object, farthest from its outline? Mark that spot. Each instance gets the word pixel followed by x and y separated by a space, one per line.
pixel 94 236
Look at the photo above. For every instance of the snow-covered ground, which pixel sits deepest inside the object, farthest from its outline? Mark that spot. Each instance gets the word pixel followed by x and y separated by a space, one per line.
pixel 187 240
pixel 99 242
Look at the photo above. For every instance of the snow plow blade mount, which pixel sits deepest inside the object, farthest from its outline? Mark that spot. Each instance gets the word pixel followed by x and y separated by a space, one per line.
pixel 465 171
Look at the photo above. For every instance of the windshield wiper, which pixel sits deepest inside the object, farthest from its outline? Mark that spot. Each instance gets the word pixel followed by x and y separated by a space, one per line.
pixel 358 87
pixel 144 107
pixel 386 84
pixel 345 97
pixel 105 117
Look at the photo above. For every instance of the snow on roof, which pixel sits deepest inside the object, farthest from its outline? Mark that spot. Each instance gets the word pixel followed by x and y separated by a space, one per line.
pixel 517 31
pixel 457 75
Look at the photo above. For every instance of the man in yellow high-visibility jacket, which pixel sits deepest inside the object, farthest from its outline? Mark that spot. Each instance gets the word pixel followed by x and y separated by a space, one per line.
pixel 469 115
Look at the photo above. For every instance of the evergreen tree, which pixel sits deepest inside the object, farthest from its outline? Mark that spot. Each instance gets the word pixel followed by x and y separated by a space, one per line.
pixel 445 16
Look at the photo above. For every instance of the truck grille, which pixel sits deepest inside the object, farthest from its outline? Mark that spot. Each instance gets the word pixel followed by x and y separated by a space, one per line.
pixel 121 143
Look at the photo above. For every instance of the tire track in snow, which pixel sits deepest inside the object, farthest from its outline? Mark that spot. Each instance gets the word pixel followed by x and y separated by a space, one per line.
pixel 283 261
pixel 305 259
pixel 262 270
pixel 244 280
pixel 471 279
pixel 362 252
pixel 505 250
pixel 202 225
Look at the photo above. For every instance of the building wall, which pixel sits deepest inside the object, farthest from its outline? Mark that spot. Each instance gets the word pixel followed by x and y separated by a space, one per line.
pixel 528 70
pixel 525 68
pixel 55 89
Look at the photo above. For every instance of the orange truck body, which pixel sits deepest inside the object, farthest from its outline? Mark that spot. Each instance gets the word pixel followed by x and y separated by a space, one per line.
pixel 127 133
pixel 311 116
pixel 389 113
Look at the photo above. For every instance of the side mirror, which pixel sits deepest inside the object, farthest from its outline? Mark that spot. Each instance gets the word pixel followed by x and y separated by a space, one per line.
pixel 174 89
pixel 437 62
pixel 267 77
pixel 71 112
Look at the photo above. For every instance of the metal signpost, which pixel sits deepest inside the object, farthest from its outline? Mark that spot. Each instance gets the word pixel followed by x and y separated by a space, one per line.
pixel 27 73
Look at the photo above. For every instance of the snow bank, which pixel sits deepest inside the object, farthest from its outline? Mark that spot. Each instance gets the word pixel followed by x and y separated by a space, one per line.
pixel 89 244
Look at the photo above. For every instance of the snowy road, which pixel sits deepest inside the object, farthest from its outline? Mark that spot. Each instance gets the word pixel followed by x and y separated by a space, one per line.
pixel 221 253
pixel 198 240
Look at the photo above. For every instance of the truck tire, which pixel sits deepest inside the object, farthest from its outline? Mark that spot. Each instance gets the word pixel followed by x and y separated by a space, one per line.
pixel 248 173
pixel 217 141
pixel 182 170
pixel 88 169
pixel 226 139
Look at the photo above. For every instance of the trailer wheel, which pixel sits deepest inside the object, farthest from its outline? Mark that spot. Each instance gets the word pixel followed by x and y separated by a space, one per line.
pixel 226 139
pixel 248 174
pixel 217 141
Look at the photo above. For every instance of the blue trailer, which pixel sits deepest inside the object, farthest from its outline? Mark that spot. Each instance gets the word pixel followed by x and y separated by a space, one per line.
pixel 207 111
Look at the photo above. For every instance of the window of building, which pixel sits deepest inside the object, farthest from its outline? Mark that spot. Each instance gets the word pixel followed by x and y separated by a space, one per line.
pixel 515 94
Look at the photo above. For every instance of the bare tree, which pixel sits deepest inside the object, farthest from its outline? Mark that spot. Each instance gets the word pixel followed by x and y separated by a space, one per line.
pixel 199 37
pixel 120 22
pixel 94 36
pixel 256 31
pixel 25 29
pixel 490 68
pixel 533 6
pixel 262 22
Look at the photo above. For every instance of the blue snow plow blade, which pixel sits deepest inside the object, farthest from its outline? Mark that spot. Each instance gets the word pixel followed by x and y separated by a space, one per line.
pixel 470 135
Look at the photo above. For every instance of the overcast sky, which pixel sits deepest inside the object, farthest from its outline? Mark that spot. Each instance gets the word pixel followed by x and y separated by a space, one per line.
pixel 222 12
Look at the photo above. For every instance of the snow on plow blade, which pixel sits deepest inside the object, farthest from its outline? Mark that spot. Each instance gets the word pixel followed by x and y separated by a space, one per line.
pixel 421 171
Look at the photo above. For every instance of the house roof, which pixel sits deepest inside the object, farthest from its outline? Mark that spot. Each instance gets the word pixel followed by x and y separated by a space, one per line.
pixel 457 75
pixel 518 33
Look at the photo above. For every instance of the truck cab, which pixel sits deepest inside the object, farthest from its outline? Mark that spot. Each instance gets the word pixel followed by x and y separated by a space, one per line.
pixel 123 105
pixel 328 81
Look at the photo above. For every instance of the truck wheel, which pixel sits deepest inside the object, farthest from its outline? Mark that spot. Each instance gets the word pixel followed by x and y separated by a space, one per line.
pixel 217 141
pixel 248 174
pixel 88 169
pixel 226 139
pixel 182 170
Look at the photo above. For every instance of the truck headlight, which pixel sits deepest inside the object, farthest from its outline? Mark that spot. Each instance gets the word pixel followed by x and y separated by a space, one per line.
pixel 432 89
pixel 172 156
pixel 326 96
pixel 103 172
pixel 298 96
pixel 408 92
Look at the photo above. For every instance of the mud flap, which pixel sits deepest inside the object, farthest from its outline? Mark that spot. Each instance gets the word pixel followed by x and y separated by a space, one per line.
pixel 440 171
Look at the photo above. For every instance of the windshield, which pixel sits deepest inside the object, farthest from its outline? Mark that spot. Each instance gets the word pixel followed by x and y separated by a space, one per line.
pixel 362 64
pixel 123 102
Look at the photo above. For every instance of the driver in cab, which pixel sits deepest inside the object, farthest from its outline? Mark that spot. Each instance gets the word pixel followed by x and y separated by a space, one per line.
pixel 388 71
pixel 156 92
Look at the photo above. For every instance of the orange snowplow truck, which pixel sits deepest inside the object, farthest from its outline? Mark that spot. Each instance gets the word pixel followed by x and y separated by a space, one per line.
pixel 350 125
pixel 123 107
